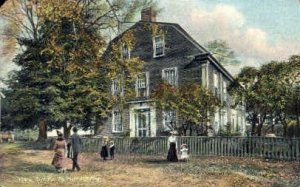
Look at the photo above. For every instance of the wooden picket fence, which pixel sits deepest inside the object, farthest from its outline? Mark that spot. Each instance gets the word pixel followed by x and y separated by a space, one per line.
pixel 263 147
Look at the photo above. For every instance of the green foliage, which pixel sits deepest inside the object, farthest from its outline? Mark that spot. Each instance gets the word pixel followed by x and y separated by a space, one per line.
pixel 272 90
pixel 222 52
pixel 63 77
pixel 193 103
pixel 26 135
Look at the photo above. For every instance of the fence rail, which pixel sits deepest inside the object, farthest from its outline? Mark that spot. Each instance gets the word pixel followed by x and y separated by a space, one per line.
pixel 264 147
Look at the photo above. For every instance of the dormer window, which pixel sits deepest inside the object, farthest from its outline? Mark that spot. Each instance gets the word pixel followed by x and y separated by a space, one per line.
pixel 158 46
pixel 125 52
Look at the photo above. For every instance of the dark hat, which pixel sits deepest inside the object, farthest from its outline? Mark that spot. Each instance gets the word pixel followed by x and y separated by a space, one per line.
pixel 60 134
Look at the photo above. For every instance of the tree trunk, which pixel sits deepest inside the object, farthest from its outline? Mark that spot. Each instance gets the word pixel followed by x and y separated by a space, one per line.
pixel 184 129
pixel 298 121
pixel 285 125
pixel 284 128
pixel 253 124
pixel 99 123
pixel 260 124
pixel 298 127
pixel 96 128
pixel 191 129
pixel 259 127
pixel 67 130
pixel 42 131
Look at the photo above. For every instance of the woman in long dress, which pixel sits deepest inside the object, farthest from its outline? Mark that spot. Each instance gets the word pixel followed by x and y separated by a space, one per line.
pixel 60 149
pixel 172 153
pixel 104 148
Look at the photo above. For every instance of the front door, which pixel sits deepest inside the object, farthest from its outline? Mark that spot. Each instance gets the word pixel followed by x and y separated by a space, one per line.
pixel 142 122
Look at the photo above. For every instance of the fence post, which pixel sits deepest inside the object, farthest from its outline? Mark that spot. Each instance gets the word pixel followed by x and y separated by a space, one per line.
pixel 297 149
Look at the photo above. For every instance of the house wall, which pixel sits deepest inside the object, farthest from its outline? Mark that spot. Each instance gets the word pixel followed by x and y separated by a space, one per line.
pixel 180 50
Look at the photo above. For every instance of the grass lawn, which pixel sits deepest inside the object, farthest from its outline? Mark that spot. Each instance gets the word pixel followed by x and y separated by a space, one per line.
pixel 21 166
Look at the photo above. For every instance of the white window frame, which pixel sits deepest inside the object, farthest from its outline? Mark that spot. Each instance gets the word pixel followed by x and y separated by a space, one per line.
pixel 157 45
pixel 164 76
pixel 146 84
pixel 114 129
pixel 165 113
pixel 123 51
pixel 116 88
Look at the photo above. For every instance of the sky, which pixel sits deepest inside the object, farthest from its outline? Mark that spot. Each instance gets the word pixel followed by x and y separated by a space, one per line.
pixel 257 30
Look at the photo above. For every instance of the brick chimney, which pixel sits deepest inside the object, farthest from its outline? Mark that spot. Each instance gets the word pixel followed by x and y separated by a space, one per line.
pixel 148 14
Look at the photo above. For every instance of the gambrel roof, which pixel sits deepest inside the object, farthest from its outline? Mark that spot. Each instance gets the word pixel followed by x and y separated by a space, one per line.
pixel 198 55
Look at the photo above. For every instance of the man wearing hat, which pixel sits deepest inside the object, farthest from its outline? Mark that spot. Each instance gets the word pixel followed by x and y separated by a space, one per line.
pixel 76 144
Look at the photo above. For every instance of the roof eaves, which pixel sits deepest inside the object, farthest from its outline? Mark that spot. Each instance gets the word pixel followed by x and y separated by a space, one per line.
pixel 220 67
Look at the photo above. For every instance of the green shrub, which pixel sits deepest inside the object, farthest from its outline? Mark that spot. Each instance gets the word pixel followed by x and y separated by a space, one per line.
pixel 26 135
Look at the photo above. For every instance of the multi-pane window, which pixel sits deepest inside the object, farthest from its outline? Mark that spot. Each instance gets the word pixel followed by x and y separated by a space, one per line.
pixel 170 76
pixel 158 46
pixel 142 122
pixel 142 125
pixel 169 118
pixel 116 88
pixel 116 122
pixel 125 52
pixel 142 85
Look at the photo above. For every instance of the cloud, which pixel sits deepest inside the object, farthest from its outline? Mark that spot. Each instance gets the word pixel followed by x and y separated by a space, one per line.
pixel 252 44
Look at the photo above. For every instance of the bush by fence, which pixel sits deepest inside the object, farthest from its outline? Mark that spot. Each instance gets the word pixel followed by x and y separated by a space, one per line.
pixel 273 148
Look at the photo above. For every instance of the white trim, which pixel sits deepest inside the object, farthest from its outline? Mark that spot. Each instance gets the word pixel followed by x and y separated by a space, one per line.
pixel 113 86
pixel 163 46
pixel 113 122
pixel 207 78
pixel 132 122
pixel 146 84
pixel 221 68
pixel 176 74
pixel 128 51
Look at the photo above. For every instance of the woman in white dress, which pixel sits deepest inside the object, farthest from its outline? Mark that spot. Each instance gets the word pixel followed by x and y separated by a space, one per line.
pixel 172 153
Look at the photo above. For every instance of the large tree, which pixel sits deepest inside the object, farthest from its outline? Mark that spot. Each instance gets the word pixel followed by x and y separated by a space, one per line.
pixel 247 88
pixel 270 91
pixel 222 52
pixel 194 105
pixel 70 79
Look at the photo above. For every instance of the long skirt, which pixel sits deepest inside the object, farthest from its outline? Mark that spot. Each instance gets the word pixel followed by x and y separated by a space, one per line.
pixel 58 160
pixel 104 152
pixel 172 153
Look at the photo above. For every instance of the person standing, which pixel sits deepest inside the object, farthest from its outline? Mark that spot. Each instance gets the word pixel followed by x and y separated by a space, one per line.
pixel 60 149
pixel 76 144
pixel 104 149
pixel 112 150
pixel 172 153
